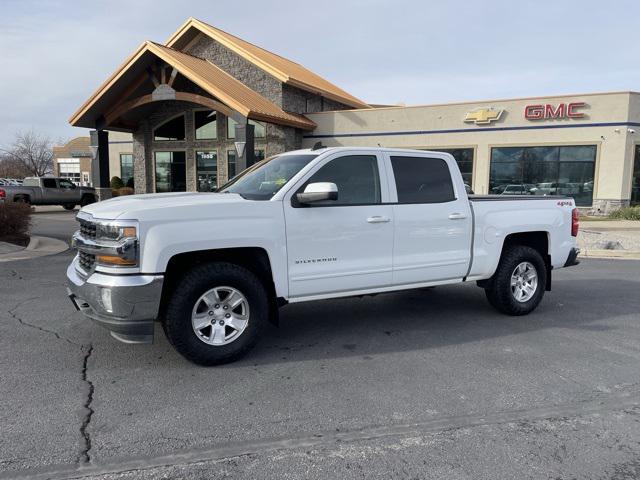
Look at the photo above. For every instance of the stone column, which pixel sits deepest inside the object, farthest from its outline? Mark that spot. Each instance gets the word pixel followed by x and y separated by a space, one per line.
pixel 100 164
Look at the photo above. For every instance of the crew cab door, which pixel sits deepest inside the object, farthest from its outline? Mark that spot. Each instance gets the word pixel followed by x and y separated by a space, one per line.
pixel 345 244
pixel 50 191
pixel 68 191
pixel 433 220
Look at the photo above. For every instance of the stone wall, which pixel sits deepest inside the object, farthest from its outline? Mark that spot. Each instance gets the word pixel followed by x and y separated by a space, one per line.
pixel 232 63
pixel 300 101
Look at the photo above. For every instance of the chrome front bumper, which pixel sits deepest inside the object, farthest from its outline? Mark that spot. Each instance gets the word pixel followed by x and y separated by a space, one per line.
pixel 127 305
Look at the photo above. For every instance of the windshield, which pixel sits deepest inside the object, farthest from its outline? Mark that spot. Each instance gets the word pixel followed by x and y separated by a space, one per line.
pixel 264 179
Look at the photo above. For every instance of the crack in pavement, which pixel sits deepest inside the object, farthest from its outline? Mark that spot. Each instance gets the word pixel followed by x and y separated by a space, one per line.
pixel 20 320
pixel 626 402
pixel 84 456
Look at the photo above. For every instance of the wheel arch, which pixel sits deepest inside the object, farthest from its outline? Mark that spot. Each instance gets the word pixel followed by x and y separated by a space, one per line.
pixel 254 259
pixel 538 240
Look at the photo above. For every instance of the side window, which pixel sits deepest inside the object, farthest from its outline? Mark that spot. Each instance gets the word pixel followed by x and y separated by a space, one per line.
pixel 66 184
pixel 356 177
pixel 49 182
pixel 422 180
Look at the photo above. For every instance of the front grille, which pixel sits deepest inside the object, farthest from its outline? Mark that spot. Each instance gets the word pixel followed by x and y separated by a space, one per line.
pixel 87 261
pixel 87 229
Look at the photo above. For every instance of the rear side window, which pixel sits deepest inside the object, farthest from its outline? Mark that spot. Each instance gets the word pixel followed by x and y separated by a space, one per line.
pixel 49 182
pixel 422 180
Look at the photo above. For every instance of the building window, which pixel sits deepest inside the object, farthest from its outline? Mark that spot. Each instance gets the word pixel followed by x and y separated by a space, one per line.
pixel 464 159
pixel 126 169
pixel 561 170
pixel 170 130
pixel 207 170
pixel 206 124
pixel 170 171
pixel 635 182
pixel 259 131
pixel 231 161
pixel 422 180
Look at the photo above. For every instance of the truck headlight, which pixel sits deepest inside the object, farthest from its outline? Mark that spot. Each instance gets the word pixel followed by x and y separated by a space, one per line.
pixel 105 231
pixel 121 245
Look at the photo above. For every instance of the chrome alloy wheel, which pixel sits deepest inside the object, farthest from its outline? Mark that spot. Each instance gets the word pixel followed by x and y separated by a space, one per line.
pixel 220 316
pixel 524 282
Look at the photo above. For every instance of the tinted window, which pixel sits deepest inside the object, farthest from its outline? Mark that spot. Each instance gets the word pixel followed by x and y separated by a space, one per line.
pixel 356 177
pixel 49 182
pixel 205 124
pixel 422 180
pixel 66 184
pixel 170 130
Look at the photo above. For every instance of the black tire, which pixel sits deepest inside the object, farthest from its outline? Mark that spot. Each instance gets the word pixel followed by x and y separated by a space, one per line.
pixel 69 206
pixel 22 199
pixel 87 200
pixel 177 316
pixel 499 292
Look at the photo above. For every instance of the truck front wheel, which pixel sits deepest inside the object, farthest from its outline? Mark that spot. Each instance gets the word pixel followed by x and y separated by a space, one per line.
pixel 519 282
pixel 216 313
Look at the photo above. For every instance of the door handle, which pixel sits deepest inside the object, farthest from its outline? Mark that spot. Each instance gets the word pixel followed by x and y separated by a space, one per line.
pixel 378 219
pixel 457 216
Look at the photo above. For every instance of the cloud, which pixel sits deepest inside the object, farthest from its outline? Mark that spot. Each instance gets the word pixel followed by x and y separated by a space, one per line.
pixel 56 53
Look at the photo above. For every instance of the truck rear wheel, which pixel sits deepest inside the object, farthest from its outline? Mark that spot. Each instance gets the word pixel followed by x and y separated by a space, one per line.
pixel 69 206
pixel 216 313
pixel 519 283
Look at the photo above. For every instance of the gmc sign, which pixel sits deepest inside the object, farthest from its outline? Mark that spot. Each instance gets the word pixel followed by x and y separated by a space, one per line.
pixel 563 110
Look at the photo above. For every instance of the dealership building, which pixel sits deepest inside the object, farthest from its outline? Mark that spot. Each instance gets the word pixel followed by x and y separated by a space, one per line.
pixel 205 105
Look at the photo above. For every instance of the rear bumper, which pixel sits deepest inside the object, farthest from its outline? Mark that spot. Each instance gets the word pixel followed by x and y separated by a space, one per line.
pixel 572 259
pixel 126 305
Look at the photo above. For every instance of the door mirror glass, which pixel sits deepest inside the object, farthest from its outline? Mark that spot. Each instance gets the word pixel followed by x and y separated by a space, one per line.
pixel 318 192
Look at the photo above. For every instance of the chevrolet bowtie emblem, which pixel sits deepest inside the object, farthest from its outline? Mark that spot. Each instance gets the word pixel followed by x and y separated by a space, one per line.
pixel 483 116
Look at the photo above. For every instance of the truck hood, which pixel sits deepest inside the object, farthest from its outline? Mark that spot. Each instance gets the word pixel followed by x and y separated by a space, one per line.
pixel 138 207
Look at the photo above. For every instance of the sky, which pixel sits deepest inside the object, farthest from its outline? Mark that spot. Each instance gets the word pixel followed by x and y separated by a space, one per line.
pixel 54 54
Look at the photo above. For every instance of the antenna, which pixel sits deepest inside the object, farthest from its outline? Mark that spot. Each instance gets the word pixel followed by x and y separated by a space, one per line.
pixel 318 146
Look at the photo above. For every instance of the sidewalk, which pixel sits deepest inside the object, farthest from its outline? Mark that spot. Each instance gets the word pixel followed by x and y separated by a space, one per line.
pixel 38 247
pixel 610 239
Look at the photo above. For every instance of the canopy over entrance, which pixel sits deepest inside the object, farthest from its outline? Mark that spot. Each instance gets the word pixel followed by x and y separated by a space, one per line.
pixel 158 73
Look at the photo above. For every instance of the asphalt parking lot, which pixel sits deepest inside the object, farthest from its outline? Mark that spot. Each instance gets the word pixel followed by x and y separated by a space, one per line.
pixel 421 384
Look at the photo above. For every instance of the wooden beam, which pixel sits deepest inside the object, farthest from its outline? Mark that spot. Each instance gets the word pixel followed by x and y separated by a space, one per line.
pixel 127 106
pixel 152 76
pixel 172 78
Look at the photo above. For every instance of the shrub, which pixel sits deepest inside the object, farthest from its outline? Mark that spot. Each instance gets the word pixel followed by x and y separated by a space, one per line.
pixel 125 191
pixel 116 183
pixel 15 219
pixel 130 183
pixel 627 213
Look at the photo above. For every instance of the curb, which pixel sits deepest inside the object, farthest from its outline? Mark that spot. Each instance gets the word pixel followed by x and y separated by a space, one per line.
pixel 38 247
pixel 610 254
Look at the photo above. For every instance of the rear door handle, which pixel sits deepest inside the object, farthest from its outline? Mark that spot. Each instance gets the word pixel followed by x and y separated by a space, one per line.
pixel 457 216
pixel 378 219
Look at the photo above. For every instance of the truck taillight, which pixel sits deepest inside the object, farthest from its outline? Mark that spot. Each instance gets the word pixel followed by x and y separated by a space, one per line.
pixel 575 222
pixel 3 194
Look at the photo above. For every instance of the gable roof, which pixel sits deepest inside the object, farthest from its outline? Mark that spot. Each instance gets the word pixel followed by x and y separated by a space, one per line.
pixel 285 70
pixel 206 75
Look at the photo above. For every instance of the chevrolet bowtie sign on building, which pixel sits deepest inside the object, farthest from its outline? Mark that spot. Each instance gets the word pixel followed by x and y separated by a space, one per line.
pixel 483 116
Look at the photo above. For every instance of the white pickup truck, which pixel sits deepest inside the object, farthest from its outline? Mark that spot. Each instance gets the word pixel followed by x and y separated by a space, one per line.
pixel 214 268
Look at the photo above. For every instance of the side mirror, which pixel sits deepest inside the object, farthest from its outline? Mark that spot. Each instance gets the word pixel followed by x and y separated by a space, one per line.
pixel 318 192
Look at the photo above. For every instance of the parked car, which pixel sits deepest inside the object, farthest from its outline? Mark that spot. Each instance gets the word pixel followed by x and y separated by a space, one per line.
pixel 49 191
pixel 516 189
pixel 302 226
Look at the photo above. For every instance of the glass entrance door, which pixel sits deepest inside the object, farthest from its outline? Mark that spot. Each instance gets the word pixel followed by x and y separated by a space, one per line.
pixel 170 172
pixel 207 163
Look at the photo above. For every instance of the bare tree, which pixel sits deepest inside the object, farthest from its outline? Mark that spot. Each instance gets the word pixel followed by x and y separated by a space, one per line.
pixel 33 151
pixel 11 168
